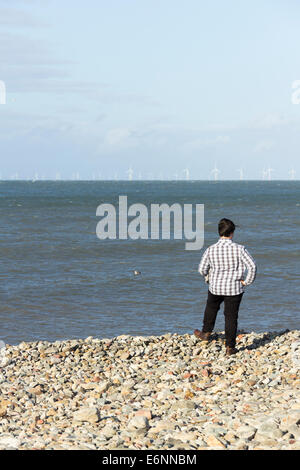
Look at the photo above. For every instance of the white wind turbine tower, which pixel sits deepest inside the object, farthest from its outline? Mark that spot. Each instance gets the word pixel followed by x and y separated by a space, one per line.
pixel 176 176
pixel 140 176
pixel 215 172
pixel 241 172
pixel 186 171
pixel 75 176
pixel 130 174
pixel 57 176
pixel 269 173
pixel 292 174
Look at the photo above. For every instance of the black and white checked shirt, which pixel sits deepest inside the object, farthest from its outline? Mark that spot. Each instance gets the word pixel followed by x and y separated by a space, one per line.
pixel 226 263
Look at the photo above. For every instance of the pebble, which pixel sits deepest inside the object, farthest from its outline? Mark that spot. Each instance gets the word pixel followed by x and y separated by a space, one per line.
pixel 88 414
pixel 138 422
pixel 213 441
pixel 153 392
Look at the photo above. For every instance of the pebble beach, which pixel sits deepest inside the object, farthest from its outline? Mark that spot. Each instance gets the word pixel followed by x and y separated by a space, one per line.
pixel 156 392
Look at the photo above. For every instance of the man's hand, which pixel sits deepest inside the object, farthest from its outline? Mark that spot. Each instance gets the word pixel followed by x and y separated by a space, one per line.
pixel 243 282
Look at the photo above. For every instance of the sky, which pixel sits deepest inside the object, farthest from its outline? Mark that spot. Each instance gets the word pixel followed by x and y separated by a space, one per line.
pixel 159 86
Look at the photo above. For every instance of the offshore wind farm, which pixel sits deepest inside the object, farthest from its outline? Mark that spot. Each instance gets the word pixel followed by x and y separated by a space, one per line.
pixel 266 174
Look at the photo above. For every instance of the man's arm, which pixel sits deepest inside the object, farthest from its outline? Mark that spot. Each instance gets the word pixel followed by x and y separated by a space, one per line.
pixel 249 262
pixel 204 264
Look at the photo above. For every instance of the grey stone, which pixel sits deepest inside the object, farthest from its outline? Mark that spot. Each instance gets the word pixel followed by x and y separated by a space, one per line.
pixel 138 423
pixel 246 432
pixel 183 405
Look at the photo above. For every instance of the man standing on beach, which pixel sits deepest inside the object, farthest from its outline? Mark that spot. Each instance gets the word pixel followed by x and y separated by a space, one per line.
pixel 225 263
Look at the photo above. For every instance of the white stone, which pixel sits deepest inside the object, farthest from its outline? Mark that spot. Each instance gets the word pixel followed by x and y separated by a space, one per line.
pixel 138 422
pixel 89 414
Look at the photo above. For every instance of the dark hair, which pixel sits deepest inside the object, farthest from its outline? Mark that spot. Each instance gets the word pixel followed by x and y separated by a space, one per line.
pixel 226 227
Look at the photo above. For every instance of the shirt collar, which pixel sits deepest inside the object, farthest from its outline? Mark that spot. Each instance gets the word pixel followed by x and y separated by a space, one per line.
pixel 225 240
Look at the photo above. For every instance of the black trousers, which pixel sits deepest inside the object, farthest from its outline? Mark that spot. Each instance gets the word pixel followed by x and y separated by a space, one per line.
pixel 231 310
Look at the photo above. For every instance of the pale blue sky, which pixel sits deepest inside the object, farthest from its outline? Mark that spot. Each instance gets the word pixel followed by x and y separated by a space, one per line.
pixel 159 85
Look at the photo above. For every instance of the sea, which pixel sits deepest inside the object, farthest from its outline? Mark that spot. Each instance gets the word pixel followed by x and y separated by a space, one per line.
pixel 58 280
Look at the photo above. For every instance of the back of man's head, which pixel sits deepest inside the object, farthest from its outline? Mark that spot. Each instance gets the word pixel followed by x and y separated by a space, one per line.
pixel 226 227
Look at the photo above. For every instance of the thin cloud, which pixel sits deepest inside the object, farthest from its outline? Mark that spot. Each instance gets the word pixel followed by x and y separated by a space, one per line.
pixel 206 141
pixel 13 17
pixel 263 146
pixel 269 121
pixel 29 65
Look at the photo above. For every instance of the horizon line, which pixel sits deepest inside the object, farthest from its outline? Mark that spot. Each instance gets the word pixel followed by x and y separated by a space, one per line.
pixel 20 180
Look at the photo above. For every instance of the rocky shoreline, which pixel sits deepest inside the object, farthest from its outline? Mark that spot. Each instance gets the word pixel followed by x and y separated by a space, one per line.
pixel 154 392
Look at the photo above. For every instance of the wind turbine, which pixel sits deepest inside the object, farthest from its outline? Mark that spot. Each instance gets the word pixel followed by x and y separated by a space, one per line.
pixel 176 176
pixel 241 172
pixel 36 177
pixel 186 171
pixel 215 172
pixel 130 174
pixel 75 176
pixel 292 174
pixel 269 173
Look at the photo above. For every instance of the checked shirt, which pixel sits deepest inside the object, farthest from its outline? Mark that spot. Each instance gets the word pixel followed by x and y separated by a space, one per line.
pixel 226 263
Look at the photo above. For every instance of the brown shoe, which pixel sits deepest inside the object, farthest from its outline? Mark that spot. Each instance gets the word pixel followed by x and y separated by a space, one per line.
pixel 230 351
pixel 201 335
